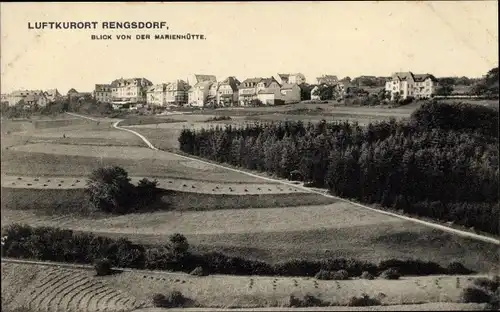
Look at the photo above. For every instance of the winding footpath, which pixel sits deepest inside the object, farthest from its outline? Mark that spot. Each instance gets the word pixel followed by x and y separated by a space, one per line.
pixel 475 236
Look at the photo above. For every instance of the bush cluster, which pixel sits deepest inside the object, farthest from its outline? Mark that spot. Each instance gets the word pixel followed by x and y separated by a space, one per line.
pixel 52 244
pixel 109 189
pixel 443 164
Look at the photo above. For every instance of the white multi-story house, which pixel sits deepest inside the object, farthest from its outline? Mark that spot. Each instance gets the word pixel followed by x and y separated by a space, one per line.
pixel 407 84
pixel 157 95
pixel 268 91
pixel 177 92
pixel 227 93
pixel 264 89
pixel 103 93
pixel 130 90
pixel 198 94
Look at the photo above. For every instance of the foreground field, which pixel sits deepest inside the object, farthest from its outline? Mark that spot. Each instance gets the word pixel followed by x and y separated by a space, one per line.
pixel 277 234
pixel 64 288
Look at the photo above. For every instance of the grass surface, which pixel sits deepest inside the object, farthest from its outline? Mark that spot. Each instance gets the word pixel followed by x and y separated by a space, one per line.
pixel 277 234
pixel 74 201
pixel 56 288
pixel 70 160
pixel 146 120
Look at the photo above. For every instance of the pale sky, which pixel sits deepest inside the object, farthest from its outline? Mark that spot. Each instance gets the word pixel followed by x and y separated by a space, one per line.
pixel 247 40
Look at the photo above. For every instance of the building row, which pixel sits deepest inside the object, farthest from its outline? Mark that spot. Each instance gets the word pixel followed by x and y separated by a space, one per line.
pixel 31 97
pixel 205 90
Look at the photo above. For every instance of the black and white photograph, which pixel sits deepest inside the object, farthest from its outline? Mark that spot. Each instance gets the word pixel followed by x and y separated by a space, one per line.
pixel 249 156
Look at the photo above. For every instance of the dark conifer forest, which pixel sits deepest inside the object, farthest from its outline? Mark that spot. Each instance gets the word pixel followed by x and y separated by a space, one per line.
pixel 442 163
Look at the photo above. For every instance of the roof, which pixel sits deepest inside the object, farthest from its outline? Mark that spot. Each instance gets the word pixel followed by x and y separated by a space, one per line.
pixel 178 85
pixel 204 84
pixel 52 92
pixel 415 77
pixel 101 87
pixel 422 77
pixel 232 82
pixel 251 80
pixel 72 90
pixel 158 87
pixel 139 81
pixel 328 77
pixel 268 81
pixel 26 92
pixel 201 78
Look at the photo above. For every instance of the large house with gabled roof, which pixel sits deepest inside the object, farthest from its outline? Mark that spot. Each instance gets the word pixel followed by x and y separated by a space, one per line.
pixel 408 84
pixel 130 90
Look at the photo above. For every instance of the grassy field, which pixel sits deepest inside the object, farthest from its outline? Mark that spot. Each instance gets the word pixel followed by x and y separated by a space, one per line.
pixel 147 120
pixel 68 202
pixel 42 159
pixel 54 288
pixel 276 234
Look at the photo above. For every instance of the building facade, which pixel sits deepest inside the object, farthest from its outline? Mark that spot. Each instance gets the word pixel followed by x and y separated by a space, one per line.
pixel 157 95
pixel 130 90
pixel 103 93
pixel 33 96
pixel 198 94
pixel 227 92
pixel 177 93
pixel 290 93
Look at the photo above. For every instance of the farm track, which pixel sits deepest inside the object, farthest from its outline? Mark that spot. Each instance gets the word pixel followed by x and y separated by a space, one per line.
pixel 475 236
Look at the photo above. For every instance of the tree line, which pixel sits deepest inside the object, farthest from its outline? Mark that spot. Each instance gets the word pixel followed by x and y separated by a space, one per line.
pixel 61 245
pixel 442 163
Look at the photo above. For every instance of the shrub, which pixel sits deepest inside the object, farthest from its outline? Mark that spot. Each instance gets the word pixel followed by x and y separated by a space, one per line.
pixel 475 295
pixel 457 268
pixel 159 300
pixel 307 301
pixel 363 301
pixel 340 275
pixel 324 275
pixel 174 299
pixel 109 189
pixel 487 284
pixel 103 267
pixel 391 274
pixel 367 275
pixel 199 271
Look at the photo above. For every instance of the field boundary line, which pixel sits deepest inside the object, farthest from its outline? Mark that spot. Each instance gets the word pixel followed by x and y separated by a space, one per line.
pixel 483 238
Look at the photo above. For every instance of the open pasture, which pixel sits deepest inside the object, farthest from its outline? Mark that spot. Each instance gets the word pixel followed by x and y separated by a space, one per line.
pixel 64 288
pixel 276 234
pixel 43 159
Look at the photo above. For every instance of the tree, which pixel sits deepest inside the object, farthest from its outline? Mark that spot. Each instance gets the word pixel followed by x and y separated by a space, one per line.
pixel 109 189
